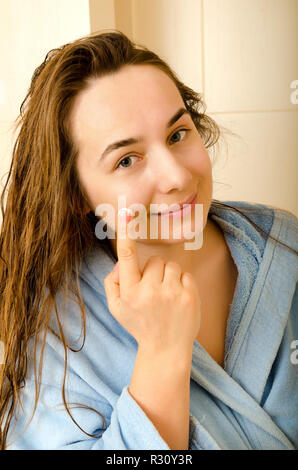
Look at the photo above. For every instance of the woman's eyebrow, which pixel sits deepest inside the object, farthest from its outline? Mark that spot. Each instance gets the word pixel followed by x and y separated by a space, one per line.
pixel 135 140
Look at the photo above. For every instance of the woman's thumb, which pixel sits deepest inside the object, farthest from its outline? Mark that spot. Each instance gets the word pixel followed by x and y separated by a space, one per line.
pixel 116 273
pixel 112 287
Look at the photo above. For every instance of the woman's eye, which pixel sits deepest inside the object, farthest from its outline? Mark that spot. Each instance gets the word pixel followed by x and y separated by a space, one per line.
pixel 178 133
pixel 125 159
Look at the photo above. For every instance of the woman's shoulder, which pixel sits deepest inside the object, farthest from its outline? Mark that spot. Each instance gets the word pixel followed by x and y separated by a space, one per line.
pixel 261 223
pixel 256 208
pixel 264 215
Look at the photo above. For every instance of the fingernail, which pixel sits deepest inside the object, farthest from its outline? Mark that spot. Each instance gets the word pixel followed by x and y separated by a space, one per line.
pixel 124 214
pixel 122 222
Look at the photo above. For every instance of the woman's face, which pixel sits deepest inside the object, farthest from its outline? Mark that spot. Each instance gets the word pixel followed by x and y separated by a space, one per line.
pixel 166 163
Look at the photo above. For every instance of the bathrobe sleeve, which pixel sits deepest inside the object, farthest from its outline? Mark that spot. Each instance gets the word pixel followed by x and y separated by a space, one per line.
pixel 52 428
pixel 126 426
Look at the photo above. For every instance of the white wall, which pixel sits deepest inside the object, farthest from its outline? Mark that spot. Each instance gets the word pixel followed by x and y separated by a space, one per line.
pixel 28 30
pixel 250 59
pixel 102 14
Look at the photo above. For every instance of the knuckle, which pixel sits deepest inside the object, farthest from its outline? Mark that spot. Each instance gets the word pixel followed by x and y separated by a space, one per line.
pixel 173 265
pixel 155 260
pixel 188 297
pixel 188 276
pixel 149 294
pixel 129 304
pixel 125 253
pixel 171 292
pixel 128 298
pixel 191 299
pixel 153 263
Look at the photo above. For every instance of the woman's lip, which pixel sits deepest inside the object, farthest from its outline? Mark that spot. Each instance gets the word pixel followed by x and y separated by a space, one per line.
pixel 191 200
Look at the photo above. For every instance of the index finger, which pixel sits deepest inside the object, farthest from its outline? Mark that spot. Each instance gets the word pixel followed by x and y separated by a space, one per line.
pixel 129 271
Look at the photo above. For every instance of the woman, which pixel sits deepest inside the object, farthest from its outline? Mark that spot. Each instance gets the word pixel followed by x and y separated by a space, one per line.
pixel 175 348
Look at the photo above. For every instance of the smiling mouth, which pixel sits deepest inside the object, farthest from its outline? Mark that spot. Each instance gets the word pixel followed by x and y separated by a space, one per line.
pixel 191 201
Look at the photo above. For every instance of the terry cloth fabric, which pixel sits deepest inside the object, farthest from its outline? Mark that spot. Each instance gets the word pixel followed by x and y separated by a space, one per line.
pixel 250 403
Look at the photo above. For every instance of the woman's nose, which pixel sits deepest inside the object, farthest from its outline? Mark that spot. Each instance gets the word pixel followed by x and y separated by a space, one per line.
pixel 169 172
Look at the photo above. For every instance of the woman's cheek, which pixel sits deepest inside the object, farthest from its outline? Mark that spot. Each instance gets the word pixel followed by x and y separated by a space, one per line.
pixel 201 165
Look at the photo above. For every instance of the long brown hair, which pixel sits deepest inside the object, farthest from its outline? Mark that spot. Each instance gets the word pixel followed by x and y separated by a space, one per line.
pixel 45 230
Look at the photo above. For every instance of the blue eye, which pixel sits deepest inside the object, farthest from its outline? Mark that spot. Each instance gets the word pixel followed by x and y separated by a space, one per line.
pixel 123 160
pixel 177 132
pixel 134 156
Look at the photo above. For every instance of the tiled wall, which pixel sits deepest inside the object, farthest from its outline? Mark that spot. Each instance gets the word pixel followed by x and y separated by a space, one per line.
pixel 28 30
pixel 242 55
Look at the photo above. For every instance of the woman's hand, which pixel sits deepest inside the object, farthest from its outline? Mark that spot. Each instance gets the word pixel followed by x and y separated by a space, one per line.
pixel 160 307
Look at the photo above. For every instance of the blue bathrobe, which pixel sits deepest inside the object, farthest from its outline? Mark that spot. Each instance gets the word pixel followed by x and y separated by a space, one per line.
pixel 250 403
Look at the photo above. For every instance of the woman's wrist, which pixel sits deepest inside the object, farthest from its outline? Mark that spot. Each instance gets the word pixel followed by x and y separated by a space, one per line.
pixel 176 359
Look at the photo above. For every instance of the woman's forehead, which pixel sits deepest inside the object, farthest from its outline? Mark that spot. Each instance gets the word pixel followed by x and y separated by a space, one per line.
pixel 124 100
pixel 131 87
